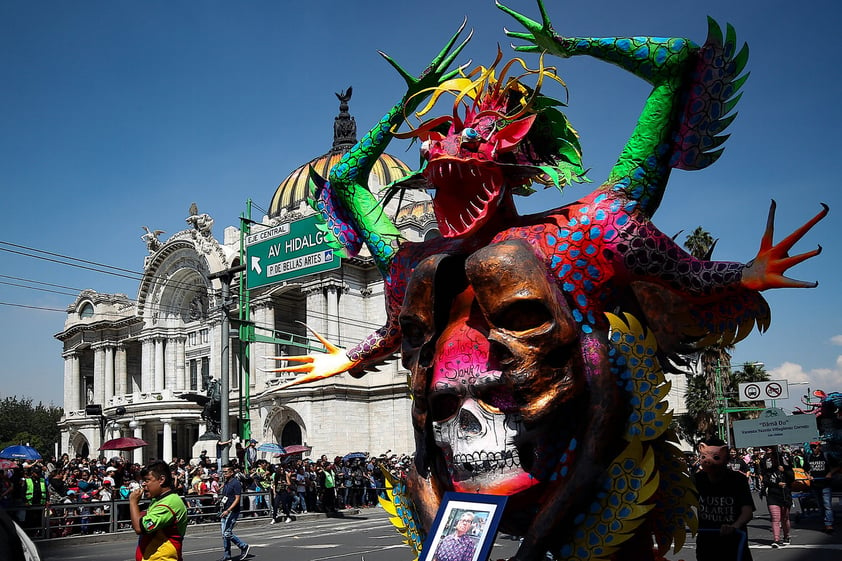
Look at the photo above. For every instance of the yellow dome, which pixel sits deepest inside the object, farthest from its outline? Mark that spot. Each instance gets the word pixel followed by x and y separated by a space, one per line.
pixel 295 188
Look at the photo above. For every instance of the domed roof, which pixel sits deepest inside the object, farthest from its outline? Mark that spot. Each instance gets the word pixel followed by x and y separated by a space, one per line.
pixel 295 188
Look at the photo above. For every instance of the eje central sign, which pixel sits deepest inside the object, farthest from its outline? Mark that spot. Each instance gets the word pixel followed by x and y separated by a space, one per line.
pixel 286 252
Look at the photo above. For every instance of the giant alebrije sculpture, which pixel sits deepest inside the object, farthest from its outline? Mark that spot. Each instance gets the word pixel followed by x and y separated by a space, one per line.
pixel 535 342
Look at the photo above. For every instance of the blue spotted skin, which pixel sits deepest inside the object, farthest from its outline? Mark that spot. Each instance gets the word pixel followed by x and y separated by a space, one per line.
pixel 597 245
pixel 694 89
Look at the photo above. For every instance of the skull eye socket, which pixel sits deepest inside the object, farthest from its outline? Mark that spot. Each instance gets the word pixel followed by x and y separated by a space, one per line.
pixel 444 406
pixel 523 315
pixel 497 399
pixel 414 334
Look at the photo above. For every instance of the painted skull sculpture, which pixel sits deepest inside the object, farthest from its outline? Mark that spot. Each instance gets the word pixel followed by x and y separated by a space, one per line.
pixel 502 395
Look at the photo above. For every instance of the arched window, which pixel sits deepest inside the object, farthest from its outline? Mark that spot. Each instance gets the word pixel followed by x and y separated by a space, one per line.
pixel 291 434
pixel 87 311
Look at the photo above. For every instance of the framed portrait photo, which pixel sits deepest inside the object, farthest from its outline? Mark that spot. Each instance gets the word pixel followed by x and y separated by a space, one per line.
pixel 464 528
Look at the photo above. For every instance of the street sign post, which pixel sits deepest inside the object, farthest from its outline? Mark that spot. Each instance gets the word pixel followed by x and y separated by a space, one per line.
pixel 760 391
pixel 286 252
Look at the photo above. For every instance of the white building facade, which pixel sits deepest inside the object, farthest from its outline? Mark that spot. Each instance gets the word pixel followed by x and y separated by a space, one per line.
pixel 135 358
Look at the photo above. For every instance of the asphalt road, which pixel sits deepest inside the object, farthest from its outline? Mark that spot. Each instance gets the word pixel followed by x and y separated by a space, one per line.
pixel 369 536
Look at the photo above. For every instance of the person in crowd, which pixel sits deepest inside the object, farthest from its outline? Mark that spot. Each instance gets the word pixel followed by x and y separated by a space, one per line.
pixel 35 496
pixel 229 502
pixel 820 484
pixel 250 453
pixel 162 526
pixel 777 483
pixel 327 486
pixel 736 463
pixel 281 495
pixel 300 484
pixel 458 546
pixel 725 505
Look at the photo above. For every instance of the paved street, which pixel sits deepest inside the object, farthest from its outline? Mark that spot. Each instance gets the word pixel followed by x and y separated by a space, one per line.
pixel 369 536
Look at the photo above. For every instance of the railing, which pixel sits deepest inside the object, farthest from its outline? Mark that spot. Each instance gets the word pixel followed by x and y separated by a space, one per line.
pixel 88 518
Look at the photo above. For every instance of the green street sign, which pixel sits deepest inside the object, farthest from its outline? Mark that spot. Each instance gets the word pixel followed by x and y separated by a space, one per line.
pixel 287 251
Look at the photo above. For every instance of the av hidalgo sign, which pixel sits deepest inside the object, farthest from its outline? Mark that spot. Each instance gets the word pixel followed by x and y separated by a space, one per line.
pixel 286 252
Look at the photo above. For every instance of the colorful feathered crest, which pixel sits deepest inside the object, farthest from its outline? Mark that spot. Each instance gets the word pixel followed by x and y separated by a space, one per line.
pixel 513 125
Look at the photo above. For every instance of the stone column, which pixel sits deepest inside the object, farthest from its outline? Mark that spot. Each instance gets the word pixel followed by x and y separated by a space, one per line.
pixel 183 383
pixel 76 387
pixel 147 365
pixel 99 374
pixel 159 365
pixel 264 316
pixel 109 373
pixel 121 372
pixel 166 453
pixel 138 452
pixel 316 307
pixel 332 297
pixel 214 338
pixel 170 375
pixel 71 382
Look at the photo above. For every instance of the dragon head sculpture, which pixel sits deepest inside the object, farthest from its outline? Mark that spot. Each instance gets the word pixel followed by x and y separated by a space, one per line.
pixel 501 137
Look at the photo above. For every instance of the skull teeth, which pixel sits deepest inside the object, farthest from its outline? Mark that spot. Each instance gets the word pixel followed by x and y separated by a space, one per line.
pixel 478 463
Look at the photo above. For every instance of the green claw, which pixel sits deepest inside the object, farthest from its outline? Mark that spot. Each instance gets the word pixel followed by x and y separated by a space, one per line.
pixel 526 22
pixel 436 73
pixel 518 35
pixel 527 48
pixel 541 34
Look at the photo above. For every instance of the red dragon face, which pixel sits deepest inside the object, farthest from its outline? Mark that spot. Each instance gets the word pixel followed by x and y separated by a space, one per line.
pixel 464 169
pixel 485 151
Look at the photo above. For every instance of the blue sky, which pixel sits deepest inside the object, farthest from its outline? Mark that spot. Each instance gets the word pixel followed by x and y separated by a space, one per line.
pixel 115 115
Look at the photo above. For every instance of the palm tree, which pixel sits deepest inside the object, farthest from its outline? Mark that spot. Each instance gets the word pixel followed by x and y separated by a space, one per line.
pixel 714 363
pixel 700 243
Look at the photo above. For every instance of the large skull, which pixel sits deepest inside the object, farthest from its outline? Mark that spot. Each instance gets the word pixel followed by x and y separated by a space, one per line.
pixel 495 364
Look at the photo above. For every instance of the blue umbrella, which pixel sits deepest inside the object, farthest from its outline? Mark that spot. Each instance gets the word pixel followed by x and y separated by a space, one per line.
pixel 20 452
pixel 271 447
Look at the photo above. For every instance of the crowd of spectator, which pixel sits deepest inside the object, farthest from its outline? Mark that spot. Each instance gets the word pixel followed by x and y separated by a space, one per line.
pixel 780 474
pixel 79 493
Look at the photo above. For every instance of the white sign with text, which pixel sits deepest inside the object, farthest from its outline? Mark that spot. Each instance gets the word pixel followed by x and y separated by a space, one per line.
pixel 775 427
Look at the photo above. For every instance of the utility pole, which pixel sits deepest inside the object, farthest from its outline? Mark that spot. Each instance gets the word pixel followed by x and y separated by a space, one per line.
pixel 225 278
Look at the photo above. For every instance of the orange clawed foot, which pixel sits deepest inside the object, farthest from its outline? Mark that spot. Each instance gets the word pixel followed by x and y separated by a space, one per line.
pixel 767 269
pixel 316 366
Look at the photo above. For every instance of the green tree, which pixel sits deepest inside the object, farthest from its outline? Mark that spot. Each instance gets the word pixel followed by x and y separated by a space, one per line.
pixel 22 422
pixel 701 417
pixel 700 243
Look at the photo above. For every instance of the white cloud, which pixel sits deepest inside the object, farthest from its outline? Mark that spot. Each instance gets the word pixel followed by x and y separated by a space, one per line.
pixel 836 340
pixel 827 379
